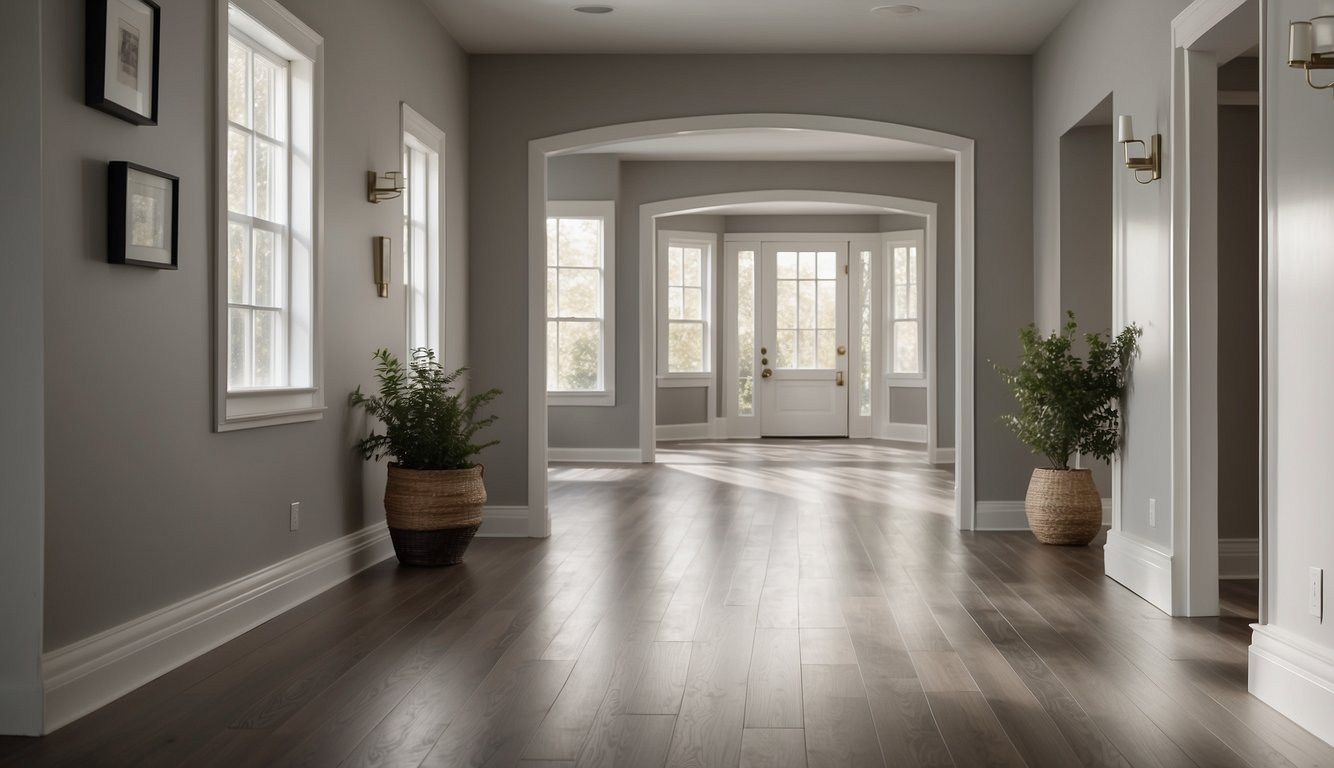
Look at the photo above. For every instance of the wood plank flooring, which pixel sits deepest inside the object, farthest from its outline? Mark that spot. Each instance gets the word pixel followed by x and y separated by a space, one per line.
pixel 763 603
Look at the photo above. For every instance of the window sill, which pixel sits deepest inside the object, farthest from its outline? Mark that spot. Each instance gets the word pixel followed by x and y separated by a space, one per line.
pixel 255 408
pixel 670 380
pixel 597 399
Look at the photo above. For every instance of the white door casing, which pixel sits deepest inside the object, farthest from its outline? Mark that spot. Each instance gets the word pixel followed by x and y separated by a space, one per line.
pixel 803 334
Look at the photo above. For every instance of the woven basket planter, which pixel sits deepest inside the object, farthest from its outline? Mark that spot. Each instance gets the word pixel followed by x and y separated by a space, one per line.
pixel 1063 506
pixel 433 513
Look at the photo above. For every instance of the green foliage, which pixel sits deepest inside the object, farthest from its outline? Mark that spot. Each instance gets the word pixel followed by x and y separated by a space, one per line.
pixel 428 423
pixel 1070 406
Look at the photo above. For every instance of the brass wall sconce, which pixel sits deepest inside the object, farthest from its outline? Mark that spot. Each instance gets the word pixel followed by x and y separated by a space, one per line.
pixel 1125 136
pixel 1311 46
pixel 382 251
pixel 387 187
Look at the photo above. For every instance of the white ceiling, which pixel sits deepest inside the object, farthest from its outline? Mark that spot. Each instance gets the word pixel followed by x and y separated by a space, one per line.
pixel 794 208
pixel 750 26
pixel 780 144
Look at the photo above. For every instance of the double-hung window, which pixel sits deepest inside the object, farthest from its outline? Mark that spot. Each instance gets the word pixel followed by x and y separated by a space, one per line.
pixel 685 299
pixel 269 168
pixel 580 303
pixel 423 150
pixel 905 309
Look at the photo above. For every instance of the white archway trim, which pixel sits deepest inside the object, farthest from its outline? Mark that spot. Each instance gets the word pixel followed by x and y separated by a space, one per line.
pixel 963 150
pixel 648 339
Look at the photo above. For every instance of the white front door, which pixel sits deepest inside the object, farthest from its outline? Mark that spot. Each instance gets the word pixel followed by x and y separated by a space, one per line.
pixel 802 340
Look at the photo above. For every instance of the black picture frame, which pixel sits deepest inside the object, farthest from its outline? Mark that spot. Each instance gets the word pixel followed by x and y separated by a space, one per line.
pixel 139 193
pixel 114 81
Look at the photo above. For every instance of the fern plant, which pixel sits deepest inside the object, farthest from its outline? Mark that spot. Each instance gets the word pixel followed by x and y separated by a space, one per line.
pixel 428 423
pixel 1067 405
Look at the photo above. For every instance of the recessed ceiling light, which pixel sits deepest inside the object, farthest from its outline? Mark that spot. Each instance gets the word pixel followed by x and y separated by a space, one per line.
pixel 897 9
pixel 594 8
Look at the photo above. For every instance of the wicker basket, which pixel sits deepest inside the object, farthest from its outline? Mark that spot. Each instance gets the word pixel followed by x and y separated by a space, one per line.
pixel 433 513
pixel 1063 506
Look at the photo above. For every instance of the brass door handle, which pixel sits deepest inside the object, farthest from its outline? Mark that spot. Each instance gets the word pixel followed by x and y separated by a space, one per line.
pixel 838 378
pixel 766 373
pixel 842 350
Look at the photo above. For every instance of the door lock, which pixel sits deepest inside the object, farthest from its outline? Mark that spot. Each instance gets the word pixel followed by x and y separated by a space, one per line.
pixel 764 361
pixel 764 350
pixel 838 378
pixel 766 373
pixel 842 350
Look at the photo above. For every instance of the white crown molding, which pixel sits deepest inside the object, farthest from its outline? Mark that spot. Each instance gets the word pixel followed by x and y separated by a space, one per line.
pixel 90 673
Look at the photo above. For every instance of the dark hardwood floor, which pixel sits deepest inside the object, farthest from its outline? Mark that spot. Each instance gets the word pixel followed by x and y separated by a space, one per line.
pixel 784 603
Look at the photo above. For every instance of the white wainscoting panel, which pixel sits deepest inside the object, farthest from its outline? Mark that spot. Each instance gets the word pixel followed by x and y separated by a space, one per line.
pixel 95 671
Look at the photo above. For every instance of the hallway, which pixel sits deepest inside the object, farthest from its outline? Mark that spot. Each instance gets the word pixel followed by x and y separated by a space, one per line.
pixel 757 603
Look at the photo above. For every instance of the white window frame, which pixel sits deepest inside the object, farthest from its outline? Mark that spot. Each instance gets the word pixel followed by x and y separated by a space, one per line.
pixel 708 243
pixel 915 239
pixel 422 135
pixel 606 211
pixel 302 399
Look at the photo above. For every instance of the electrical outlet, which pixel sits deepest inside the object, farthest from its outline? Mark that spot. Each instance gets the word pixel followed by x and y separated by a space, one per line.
pixel 295 511
pixel 1153 513
pixel 1316 594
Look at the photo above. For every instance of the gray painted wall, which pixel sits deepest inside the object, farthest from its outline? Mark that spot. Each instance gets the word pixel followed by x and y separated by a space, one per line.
pixel 1086 243
pixel 145 504
pixel 1300 172
pixel 583 177
pixel 1123 48
pixel 682 405
pixel 21 378
pixel 908 405
pixel 1238 331
pixel 515 99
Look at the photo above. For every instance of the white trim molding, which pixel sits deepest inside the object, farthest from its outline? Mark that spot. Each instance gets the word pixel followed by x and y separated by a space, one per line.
pixel 1001 516
pixel 504 523
pixel 1010 515
pixel 1141 568
pixel 908 433
pixel 86 675
pixel 595 455
pixel 704 430
pixel 1294 676
pixel 1239 558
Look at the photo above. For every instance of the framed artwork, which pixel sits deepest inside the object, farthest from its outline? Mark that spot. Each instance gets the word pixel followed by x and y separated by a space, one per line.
pixel 141 216
pixel 122 58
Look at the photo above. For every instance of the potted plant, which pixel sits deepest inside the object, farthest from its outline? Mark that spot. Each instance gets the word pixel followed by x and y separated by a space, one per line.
pixel 1068 406
pixel 434 496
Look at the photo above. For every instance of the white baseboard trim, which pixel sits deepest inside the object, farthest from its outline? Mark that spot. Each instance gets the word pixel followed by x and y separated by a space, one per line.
pixel 1294 676
pixel 20 710
pixel 943 456
pixel 1139 567
pixel 1001 516
pixel 86 675
pixel 595 455
pixel 702 431
pixel 907 433
pixel 504 522
pixel 1238 558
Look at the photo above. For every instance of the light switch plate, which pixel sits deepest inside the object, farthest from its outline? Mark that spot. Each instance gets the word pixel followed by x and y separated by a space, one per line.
pixel 1316 593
